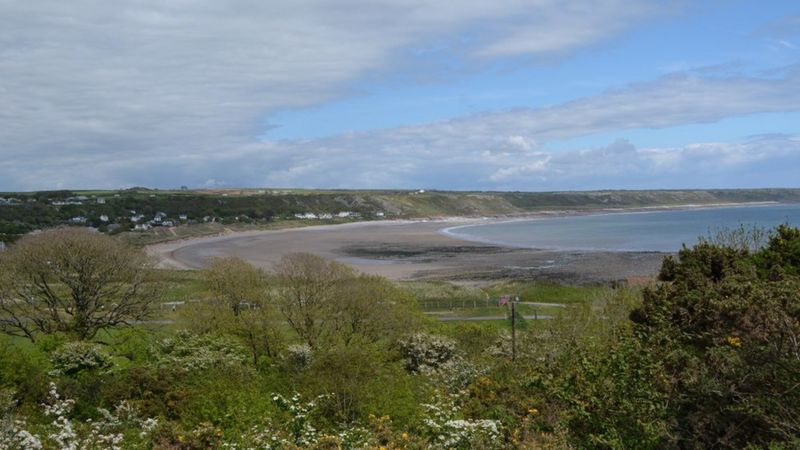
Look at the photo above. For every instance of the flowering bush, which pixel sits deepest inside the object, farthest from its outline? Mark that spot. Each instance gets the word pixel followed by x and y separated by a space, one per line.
pixel 13 435
pixel 457 373
pixel 446 431
pixel 297 431
pixel 425 351
pixel 74 357
pixel 66 434
pixel 298 355
pixel 197 352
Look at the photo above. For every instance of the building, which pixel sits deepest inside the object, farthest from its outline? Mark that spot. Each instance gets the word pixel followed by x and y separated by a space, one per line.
pixel 103 218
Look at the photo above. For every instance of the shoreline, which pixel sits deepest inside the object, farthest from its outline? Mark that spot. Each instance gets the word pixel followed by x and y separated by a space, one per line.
pixel 464 221
pixel 408 249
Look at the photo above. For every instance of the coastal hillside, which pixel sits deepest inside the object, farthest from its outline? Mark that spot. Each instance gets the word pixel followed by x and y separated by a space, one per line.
pixel 145 210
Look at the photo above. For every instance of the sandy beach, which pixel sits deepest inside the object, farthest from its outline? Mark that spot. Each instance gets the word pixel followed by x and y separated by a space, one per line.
pixel 404 250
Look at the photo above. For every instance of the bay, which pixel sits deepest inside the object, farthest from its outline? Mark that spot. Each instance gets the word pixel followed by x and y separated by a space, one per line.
pixel 660 231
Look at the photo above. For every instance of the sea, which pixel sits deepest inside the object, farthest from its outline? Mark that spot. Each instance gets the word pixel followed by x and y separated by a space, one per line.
pixel 657 230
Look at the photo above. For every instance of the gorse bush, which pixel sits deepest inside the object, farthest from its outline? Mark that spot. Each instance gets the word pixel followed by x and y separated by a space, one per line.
pixel 726 332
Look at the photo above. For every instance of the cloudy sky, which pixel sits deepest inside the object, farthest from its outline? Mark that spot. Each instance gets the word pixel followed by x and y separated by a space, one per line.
pixel 460 94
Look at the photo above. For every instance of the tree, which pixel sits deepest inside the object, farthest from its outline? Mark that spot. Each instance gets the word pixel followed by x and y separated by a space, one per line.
pixel 240 306
pixel 74 281
pixel 235 283
pixel 307 286
pixel 326 300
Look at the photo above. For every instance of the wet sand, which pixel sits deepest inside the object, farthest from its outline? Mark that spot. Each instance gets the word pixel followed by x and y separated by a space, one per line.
pixel 404 250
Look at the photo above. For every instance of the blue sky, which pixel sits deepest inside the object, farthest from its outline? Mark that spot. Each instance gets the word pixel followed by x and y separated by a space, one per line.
pixel 519 95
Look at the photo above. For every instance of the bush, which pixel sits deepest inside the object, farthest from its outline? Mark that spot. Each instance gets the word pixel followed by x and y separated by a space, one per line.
pixel 75 357
pixel 425 351
pixel 191 352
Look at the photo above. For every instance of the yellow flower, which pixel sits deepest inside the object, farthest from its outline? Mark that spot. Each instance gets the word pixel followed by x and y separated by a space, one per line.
pixel 734 341
pixel 404 436
pixel 533 411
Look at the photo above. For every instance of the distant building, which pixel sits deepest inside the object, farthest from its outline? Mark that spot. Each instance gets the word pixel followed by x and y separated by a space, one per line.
pixel 326 216
pixel 101 201
pixel 344 214
pixel 307 215
pixel 379 214
pixel 142 227
pixel 78 219
pixel 103 218
pixel 183 217
pixel 167 223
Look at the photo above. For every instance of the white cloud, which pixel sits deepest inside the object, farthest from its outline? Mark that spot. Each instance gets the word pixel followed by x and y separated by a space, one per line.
pixel 96 94
pixel 503 150
pixel 92 80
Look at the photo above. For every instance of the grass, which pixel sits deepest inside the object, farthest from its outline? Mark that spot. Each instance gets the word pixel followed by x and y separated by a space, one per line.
pixel 533 291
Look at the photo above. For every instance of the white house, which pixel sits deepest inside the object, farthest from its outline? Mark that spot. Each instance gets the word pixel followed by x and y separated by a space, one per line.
pixel 344 214
pixel 379 214
pixel 103 218
pixel 326 216
pixel 142 227
pixel 78 219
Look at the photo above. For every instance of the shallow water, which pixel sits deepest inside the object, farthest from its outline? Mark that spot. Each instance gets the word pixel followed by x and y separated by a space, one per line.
pixel 662 231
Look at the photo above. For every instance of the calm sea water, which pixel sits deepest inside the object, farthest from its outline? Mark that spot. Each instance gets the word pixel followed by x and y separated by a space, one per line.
pixel 662 231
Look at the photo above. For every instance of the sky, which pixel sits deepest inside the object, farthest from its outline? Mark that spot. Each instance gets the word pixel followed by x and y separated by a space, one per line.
pixel 523 95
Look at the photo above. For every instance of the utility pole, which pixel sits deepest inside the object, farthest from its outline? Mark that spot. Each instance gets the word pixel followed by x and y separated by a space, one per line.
pixel 513 331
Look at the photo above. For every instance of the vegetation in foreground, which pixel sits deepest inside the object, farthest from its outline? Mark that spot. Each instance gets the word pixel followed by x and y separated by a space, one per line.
pixel 314 355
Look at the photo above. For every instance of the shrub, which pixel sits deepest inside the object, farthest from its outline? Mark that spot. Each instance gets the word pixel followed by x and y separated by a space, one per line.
pixel 191 352
pixel 425 351
pixel 75 357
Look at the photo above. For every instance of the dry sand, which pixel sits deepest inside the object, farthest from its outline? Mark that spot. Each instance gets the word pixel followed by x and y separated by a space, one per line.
pixel 404 250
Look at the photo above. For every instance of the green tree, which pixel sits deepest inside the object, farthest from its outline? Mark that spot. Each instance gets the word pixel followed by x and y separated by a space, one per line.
pixel 73 281
pixel 327 303
pixel 240 306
